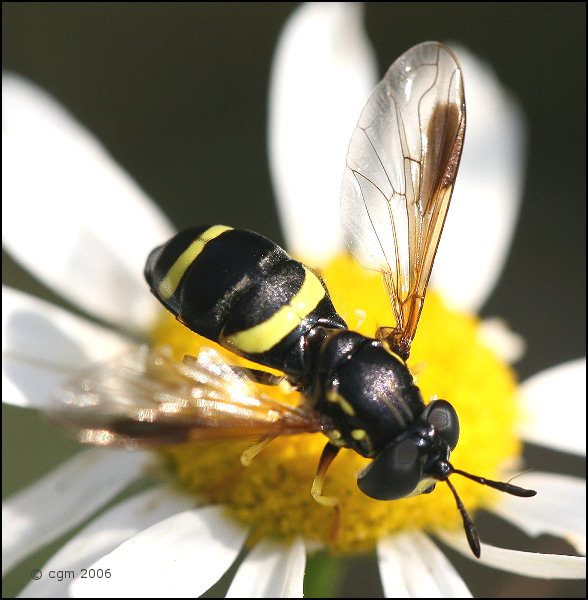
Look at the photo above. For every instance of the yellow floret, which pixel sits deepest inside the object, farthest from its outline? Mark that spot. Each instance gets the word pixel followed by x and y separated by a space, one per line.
pixel 273 493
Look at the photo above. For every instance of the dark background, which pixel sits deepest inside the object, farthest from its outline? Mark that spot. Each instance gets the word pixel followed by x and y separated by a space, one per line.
pixel 178 94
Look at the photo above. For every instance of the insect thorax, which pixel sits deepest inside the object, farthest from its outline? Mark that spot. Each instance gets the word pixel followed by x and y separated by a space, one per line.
pixel 367 391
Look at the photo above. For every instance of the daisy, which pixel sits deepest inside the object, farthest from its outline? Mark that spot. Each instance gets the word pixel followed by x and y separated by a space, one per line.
pixel 167 541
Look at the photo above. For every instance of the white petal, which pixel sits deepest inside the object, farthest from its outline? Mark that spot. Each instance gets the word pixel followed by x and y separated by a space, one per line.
pixel 485 205
pixel 559 508
pixel 179 557
pixel 271 570
pixel 92 228
pixel 27 385
pixel 323 72
pixel 495 334
pixel 42 345
pixel 411 566
pixel 554 404
pixel 530 564
pixel 64 498
pixel 105 533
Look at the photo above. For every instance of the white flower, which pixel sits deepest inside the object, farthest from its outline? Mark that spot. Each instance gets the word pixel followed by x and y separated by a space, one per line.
pixel 179 546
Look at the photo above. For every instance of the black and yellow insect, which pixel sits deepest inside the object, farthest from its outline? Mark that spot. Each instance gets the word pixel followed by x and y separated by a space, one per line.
pixel 241 290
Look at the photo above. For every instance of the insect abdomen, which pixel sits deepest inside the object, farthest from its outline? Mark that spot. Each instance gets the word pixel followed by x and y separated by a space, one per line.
pixel 236 287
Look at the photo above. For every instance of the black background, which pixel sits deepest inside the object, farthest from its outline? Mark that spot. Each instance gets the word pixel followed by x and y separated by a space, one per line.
pixel 178 94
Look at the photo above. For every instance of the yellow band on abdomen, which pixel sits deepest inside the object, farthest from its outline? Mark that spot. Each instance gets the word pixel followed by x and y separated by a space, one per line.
pixel 264 336
pixel 169 284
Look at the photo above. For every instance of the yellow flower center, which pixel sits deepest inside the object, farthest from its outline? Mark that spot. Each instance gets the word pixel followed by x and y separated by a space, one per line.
pixel 273 493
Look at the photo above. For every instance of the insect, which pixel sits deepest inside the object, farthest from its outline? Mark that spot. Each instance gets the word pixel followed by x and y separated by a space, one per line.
pixel 241 290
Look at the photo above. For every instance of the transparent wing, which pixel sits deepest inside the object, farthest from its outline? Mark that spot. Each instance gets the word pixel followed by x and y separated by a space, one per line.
pixel 147 398
pixel 401 167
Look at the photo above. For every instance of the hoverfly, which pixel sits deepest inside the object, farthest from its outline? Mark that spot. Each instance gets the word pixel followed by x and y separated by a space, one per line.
pixel 241 290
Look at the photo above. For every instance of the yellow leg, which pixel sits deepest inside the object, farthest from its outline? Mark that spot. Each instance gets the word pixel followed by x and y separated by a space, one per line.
pixel 250 453
pixel 327 457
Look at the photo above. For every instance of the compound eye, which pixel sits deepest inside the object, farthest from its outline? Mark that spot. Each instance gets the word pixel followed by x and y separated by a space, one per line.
pixel 394 473
pixel 442 416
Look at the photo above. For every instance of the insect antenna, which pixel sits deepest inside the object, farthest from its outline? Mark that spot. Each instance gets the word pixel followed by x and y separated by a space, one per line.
pixel 514 490
pixel 468 525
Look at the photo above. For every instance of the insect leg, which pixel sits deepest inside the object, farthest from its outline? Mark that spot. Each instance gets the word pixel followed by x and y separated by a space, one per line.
pixel 327 457
pixel 259 375
pixel 256 447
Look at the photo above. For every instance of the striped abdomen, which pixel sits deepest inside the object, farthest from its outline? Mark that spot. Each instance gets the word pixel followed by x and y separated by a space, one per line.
pixel 236 287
